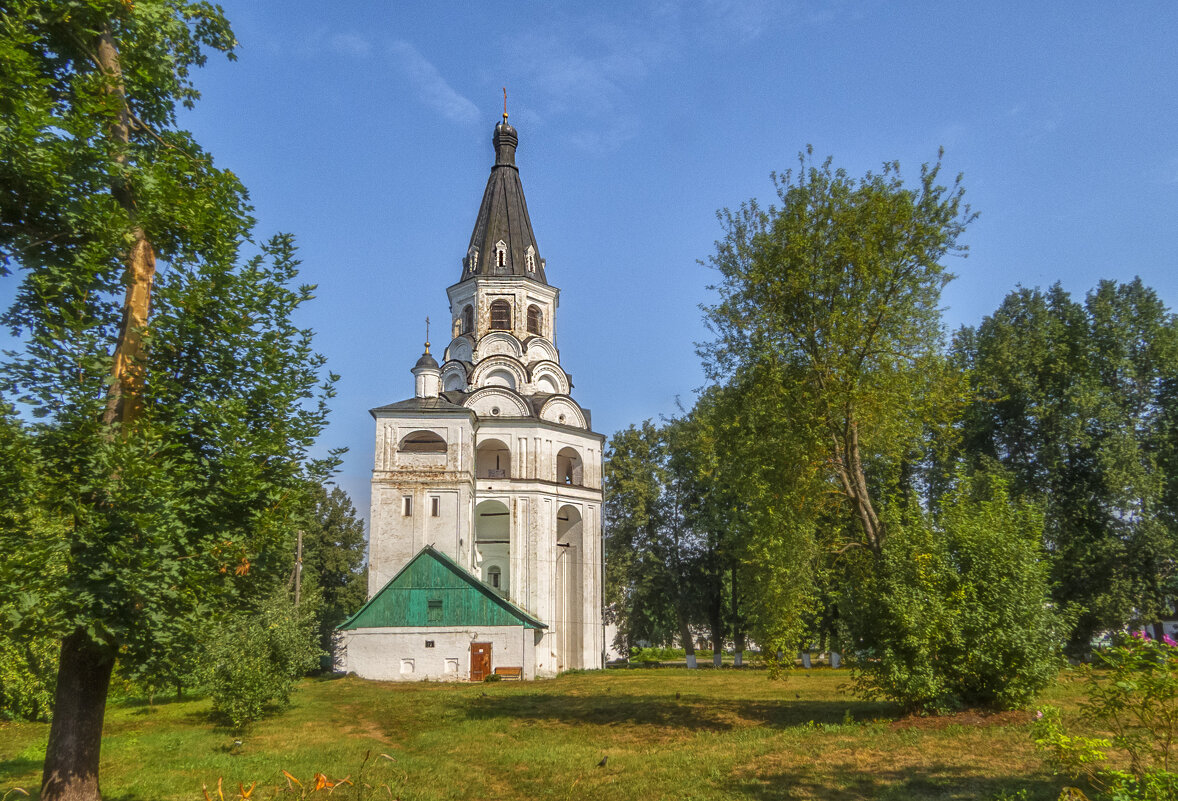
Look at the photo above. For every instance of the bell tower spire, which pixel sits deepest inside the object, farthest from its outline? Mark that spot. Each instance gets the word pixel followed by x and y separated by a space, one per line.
pixel 503 243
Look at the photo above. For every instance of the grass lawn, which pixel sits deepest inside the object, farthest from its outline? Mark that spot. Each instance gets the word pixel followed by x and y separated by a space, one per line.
pixel 669 733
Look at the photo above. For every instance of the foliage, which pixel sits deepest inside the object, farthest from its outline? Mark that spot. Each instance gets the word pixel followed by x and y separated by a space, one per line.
pixel 767 500
pixel 696 509
pixel 648 550
pixel 958 609
pixel 1077 401
pixel 1137 701
pixel 334 548
pixel 28 671
pixel 255 658
pixel 838 292
pixel 661 654
pixel 1132 701
pixel 173 399
pixel 28 656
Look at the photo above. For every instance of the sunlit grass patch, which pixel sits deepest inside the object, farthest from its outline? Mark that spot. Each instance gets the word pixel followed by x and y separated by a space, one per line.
pixel 663 733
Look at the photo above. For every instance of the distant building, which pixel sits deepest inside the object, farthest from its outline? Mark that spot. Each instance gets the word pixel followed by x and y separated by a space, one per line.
pixel 485 548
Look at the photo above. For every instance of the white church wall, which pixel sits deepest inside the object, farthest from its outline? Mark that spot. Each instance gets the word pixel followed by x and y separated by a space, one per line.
pixel 400 653
pixel 395 536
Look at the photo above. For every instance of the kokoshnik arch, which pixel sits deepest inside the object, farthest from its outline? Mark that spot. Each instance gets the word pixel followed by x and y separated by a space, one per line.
pixel 485 541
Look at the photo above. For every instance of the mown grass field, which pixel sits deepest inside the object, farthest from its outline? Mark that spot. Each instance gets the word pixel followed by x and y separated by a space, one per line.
pixel 669 733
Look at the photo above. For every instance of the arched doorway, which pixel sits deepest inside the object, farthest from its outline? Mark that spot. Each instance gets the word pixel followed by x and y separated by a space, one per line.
pixel 492 544
pixel 570 589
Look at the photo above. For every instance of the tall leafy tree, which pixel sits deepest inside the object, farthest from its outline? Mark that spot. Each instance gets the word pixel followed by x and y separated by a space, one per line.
pixel 333 557
pixel 174 400
pixel 1075 400
pixel 759 498
pixel 640 590
pixel 838 290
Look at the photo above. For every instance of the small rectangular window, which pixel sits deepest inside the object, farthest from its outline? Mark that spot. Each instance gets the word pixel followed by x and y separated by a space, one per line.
pixel 434 611
pixel 407 506
pixel 429 643
pixel 435 507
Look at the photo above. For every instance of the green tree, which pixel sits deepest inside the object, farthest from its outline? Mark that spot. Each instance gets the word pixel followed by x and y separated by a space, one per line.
pixel 333 558
pixel 759 497
pixel 958 607
pixel 1075 400
pixel 641 590
pixel 174 408
pixel 838 291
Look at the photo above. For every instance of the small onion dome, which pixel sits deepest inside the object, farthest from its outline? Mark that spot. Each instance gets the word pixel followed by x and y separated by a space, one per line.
pixel 426 360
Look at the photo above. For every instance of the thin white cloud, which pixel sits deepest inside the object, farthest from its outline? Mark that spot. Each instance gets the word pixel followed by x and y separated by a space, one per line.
pixel 433 89
pixel 589 82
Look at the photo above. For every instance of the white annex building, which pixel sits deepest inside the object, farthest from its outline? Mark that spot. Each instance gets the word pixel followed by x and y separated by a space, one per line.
pixel 485 551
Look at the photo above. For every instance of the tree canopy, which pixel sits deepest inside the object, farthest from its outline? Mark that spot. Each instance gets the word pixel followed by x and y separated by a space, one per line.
pixel 167 400
pixel 1076 401
pixel 838 289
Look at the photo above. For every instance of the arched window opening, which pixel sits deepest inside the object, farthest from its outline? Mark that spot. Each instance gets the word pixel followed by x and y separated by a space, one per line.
pixel 535 319
pixel 572 576
pixel 422 442
pixel 472 259
pixel 493 460
pixel 468 319
pixel 530 259
pixel 492 544
pixel 502 254
pixel 501 316
pixel 569 469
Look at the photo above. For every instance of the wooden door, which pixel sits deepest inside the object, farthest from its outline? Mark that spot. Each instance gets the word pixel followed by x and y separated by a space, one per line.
pixel 480 660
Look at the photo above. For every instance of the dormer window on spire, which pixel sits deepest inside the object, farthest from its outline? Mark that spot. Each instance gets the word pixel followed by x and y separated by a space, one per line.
pixel 472 259
pixel 530 259
pixel 501 253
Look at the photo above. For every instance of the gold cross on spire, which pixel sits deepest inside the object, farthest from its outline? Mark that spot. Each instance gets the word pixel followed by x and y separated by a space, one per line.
pixel 427 334
pixel 504 104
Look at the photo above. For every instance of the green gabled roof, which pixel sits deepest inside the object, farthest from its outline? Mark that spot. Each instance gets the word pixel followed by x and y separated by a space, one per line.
pixel 433 576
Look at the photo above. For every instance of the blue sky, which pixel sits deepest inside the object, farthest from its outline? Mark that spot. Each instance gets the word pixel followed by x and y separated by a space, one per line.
pixel 364 128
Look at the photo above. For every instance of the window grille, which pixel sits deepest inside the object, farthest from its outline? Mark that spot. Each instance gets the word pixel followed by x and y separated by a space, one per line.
pixel 501 315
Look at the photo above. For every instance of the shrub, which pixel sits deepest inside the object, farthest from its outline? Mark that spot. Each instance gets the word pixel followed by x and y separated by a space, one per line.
pixel 655 654
pixel 256 658
pixel 1132 699
pixel 956 611
pixel 28 675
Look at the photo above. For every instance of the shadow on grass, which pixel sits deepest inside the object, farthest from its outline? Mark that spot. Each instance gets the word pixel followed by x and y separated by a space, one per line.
pixel 14 768
pixel 686 713
pixel 936 781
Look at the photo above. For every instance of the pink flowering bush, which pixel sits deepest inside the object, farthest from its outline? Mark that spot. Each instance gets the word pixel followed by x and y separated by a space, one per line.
pixel 1132 704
